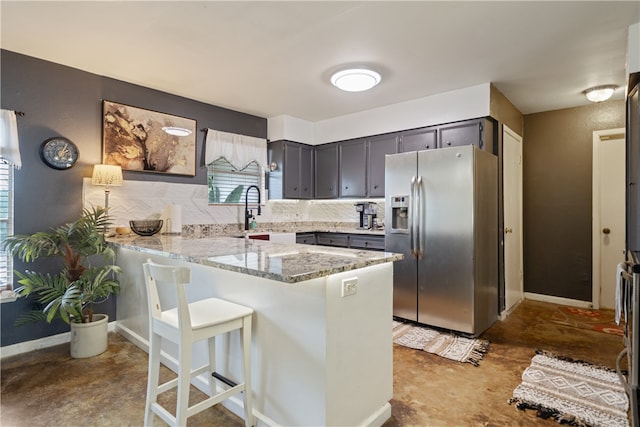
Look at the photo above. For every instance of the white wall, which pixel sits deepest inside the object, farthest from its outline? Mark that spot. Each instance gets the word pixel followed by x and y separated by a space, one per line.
pixel 461 104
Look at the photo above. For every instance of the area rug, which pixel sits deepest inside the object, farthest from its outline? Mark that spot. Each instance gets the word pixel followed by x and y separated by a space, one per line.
pixel 447 345
pixel 594 320
pixel 572 392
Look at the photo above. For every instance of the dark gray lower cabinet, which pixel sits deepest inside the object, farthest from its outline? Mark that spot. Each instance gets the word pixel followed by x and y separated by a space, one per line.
pixel 372 242
pixel 306 238
pixel 326 171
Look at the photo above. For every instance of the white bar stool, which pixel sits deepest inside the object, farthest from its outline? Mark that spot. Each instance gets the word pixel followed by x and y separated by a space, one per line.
pixel 184 325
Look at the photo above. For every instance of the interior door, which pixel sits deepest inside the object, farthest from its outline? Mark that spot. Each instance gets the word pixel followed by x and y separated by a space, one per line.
pixel 512 233
pixel 608 226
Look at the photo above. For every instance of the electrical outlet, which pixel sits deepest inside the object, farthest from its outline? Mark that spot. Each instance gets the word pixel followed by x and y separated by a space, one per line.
pixel 349 286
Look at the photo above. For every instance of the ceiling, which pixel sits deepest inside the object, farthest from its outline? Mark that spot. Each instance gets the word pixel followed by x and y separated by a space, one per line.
pixel 275 58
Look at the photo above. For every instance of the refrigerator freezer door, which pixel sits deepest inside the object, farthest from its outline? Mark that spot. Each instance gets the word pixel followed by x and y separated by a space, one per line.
pixel 399 170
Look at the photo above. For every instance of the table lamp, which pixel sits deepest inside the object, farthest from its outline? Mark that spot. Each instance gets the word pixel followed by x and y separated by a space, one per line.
pixel 106 175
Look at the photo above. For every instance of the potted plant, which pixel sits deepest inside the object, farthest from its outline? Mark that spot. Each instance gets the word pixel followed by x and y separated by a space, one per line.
pixel 70 293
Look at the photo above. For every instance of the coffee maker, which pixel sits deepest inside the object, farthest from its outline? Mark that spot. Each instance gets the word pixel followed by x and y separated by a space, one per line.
pixel 368 212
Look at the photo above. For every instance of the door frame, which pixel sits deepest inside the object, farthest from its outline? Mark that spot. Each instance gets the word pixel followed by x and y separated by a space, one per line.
pixel 595 212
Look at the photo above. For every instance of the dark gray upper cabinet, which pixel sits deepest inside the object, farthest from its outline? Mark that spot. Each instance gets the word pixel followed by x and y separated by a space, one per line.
pixel 378 148
pixel 293 178
pixel 353 168
pixel 306 171
pixel 480 132
pixel 326 171
pixel 418 140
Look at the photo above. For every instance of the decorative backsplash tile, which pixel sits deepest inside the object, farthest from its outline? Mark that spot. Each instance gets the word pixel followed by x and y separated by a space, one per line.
pixel 148 199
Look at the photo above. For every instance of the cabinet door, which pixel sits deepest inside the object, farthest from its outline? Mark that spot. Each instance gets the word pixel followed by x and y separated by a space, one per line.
pixel 418 140
pixel 326 171
pixel 291 171
pixel 466 133
pixel 353 168
pixel 306 238
pixel 333 239
pixel 306 172
pixel 378 148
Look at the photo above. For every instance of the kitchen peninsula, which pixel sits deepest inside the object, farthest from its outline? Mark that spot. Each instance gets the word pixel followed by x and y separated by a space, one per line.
pixel 321 348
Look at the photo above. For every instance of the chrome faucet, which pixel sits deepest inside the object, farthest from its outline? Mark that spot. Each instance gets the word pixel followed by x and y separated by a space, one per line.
pixel 247 212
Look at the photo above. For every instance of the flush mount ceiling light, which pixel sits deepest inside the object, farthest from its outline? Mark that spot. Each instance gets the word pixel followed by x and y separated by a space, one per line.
pixel 355 79
pixel 600 93
pixel 176 131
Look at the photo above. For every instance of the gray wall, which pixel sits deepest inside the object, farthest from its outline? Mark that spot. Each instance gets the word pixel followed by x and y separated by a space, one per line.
pixel 557 164
pixel 62 101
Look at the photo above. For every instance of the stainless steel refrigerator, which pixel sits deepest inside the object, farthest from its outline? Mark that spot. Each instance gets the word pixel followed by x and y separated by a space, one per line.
pixel 441 210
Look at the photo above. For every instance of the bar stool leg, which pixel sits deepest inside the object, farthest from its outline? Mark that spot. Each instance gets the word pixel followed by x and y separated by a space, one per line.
pixel 246 353
pixel 212 366
pixel 184 382
pixel 153 379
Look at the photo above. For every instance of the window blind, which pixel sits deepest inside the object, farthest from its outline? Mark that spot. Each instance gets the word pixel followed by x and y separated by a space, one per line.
pixel 228 185
pixel 6 222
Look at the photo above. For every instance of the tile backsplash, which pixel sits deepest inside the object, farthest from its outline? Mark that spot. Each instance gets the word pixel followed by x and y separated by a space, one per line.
pixel 148 199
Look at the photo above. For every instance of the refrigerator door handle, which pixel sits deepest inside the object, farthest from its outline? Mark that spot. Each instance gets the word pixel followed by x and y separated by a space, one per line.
pixel 419 220
pixel 412 215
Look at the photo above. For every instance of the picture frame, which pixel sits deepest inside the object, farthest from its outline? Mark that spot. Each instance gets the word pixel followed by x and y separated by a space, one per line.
pixel 142 140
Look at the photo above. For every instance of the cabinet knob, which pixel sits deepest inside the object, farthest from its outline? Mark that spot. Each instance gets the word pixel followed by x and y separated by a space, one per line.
pixel 346 188
pixel 375 186
pixel 331 187
pixel 427 146
pixel 295 188
pixel 448 142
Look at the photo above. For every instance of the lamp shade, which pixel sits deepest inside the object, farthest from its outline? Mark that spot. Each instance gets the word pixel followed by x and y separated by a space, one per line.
pixel 599 93
pixel 355 79
pixel 107 175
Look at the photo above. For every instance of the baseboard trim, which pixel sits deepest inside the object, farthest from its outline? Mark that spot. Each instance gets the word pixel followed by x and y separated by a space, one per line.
pixel 558 300
pixel 40 343
pixel 506 313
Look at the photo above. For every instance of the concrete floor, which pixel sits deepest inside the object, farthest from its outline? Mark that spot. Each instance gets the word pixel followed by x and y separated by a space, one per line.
pixel 49 388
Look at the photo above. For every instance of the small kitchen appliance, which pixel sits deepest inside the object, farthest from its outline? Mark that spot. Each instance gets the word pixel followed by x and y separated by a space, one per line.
pixel 368 212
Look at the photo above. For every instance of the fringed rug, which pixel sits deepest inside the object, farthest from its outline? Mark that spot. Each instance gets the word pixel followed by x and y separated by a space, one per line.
pixel 447 345
pixel 602 320
pixel 572 392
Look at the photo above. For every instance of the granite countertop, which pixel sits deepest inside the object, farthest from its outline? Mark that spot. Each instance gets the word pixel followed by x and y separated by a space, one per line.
pixel 290 263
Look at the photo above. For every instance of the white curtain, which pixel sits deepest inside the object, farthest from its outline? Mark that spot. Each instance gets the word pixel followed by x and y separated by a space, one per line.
pixel 9 147
pixel 239 150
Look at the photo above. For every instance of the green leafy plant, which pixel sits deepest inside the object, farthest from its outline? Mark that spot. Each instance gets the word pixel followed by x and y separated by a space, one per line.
pixel 70 293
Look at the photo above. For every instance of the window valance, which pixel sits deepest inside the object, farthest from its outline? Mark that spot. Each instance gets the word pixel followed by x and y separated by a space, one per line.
pixel 9 147
pixel 239 150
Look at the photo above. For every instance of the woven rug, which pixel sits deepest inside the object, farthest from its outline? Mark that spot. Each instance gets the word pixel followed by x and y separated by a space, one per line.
pixel 447 345
pixel 572 392
pixel 602 320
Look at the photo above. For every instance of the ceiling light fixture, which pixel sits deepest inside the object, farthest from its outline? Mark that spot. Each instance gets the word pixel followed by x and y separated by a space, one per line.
pixel 176 131
pixel 600 93
pixel 355 79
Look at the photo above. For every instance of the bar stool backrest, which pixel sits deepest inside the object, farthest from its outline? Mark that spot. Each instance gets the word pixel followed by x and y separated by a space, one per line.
pixel 173 280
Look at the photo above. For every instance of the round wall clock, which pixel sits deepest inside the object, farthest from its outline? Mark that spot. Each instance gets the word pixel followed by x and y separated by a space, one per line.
pixel 59 153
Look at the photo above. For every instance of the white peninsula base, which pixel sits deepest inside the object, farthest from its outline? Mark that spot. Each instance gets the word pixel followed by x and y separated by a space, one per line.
pixel 319 358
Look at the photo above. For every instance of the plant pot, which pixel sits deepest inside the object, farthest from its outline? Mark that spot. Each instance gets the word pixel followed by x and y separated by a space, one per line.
pixel 89 339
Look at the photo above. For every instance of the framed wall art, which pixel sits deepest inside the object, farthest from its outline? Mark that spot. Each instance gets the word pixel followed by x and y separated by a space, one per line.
pixel 147 141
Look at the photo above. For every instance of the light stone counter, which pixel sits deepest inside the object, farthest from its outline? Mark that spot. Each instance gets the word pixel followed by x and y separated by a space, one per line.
pixel 289 263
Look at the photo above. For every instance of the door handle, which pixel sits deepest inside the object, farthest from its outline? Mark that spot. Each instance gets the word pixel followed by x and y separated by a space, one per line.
pixel 412 215
pixel 606 230
pixel 508 230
